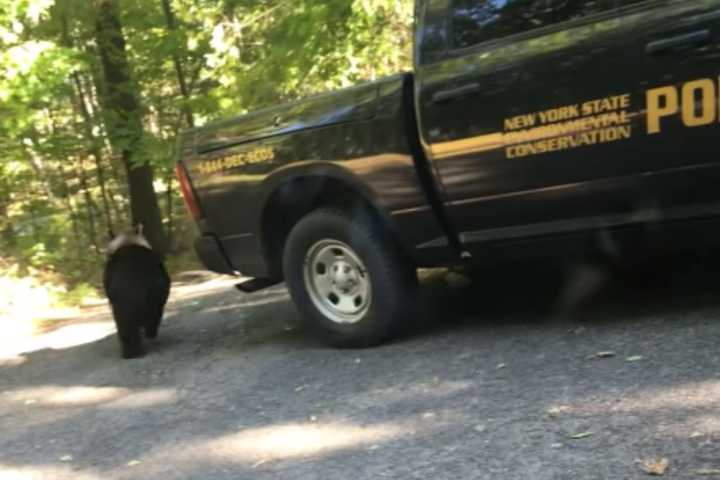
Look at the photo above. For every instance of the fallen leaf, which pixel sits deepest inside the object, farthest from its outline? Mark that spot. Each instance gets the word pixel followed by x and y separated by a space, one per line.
pixel 358 361
pixel 556 445
pixel 657 466
pixel 300 388
pixel 66 458
pixel 607 354
pixel 696 435
pixel 501 366
pixel 428 415
pixel 373 447
pixel 580 436
pixel 634 358
pixel 708 472
pixel 313 418
pixel 479 428
pixel 556 411
pixel 30 402
pixel 133 463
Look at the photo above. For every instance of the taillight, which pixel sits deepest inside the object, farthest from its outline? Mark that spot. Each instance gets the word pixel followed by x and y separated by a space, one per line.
pixel 187 192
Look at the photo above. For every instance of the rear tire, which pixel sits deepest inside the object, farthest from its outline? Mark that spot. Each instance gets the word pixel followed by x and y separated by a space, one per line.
pixel 348 277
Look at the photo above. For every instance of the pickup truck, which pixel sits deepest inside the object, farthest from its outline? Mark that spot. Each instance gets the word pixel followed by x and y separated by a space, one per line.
pixel 534 126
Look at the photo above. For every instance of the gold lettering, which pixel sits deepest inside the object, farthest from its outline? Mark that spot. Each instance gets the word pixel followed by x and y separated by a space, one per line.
pixel 690 116
pixel 661 102
pixel 625 101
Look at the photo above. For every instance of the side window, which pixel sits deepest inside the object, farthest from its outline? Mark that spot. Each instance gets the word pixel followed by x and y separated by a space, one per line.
pixel 477 21
pixel 432 31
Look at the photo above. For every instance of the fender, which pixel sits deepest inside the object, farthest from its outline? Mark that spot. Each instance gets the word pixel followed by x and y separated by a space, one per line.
pixel 320 170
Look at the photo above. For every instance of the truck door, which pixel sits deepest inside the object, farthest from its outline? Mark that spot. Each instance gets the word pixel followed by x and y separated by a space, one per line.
pixel 677 45
pixel 533 111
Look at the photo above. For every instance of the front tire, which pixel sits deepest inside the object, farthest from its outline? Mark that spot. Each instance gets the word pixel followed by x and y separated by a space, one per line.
pixel 351 282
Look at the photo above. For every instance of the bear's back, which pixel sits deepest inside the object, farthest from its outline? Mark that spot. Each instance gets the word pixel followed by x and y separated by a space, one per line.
pixel 136 272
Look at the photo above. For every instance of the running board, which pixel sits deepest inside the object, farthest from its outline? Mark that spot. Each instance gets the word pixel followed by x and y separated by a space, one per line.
pixel 256 284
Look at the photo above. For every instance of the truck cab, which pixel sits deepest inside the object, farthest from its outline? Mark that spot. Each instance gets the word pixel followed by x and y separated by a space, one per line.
pixel 555 117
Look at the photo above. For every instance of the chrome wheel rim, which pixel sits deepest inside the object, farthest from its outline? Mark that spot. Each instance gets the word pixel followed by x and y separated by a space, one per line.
pixel 337 281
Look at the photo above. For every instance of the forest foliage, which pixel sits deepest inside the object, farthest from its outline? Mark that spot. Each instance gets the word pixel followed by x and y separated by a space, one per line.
pixel 94 92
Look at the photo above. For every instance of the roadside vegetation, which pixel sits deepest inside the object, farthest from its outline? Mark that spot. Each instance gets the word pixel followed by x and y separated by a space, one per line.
pixel 94 93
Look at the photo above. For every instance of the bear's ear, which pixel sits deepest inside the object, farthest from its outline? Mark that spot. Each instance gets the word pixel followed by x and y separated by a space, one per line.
pixel 139 229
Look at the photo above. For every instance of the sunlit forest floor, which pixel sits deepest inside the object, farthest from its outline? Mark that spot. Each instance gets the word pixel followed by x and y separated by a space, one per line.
pixel 38 319
pixel 34 301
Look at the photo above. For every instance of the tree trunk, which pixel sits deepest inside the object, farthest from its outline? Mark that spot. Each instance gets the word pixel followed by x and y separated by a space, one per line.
pixel 124 123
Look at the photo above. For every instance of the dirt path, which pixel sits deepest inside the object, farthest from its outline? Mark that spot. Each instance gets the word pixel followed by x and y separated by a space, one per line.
pixel 495 386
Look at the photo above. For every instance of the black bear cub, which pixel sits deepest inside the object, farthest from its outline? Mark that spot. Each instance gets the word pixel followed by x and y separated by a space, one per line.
pixel 137 286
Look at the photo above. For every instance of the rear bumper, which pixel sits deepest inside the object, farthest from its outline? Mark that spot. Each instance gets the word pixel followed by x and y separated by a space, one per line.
pixel 212 255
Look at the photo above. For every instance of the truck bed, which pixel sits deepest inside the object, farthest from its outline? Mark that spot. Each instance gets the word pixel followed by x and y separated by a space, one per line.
pixel 356 142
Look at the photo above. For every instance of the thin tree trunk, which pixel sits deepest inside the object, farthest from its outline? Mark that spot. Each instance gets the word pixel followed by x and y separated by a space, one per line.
pixel 179 72
pixel 33 222
pixel 90 206
pixel 170 212
pixel 186 109
pixel 124 123
pixel 91 99
pixel 94 150
pixel 81 107
pixel 71 212
pixel 7 231
pixel 97 93
pixel 66 196
pixel 39 170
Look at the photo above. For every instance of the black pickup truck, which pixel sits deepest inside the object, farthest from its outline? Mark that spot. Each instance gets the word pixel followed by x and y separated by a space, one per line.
pixel 527 125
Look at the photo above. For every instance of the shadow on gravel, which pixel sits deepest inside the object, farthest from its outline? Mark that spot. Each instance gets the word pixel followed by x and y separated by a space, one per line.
pixel 569 292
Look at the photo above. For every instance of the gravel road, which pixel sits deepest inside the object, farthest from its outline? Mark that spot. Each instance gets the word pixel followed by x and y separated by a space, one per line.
pixel 532 372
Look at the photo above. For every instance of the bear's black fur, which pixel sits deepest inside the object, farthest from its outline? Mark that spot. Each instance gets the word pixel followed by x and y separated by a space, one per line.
pixel 137 285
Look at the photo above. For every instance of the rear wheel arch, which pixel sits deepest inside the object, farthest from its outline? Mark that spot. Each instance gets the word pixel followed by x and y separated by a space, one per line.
pixel 296 197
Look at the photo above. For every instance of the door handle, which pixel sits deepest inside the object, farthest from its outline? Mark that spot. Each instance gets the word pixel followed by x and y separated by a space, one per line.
pixel 453 93
pixel 673 44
